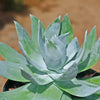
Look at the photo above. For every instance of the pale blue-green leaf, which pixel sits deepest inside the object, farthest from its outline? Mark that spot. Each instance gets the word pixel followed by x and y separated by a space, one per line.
pixel 55 58
pixel 69 72
pixel 67 27
pixel 11 55
pixel 40 79
pixel 63 37
pixel 72 49
pixel 92 97
pixel 26 92
pixel 48 92
pixel 35 32
pixel 41 42
pixel 53 29
pixel 94 80
pixel 11 71
pixel 81 51
pixel 28 49
pixel 83 64
pixel 91 39
pixel 95 54
pixel 78 88
pixel 93 57
pixel 66 96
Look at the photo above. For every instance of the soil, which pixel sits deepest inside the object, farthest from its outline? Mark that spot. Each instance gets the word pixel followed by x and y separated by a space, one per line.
pixel 11 85
pixel 84 14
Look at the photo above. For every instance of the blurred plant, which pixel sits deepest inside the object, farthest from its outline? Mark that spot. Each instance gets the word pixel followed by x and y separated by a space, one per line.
pixel 13 5
pixel 52 59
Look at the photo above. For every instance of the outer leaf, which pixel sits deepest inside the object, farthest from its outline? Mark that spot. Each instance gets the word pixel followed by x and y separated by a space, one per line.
pixel 66 27
pixel 48 92
pixel 66 96
pixel 11 55
pixel 81 52
pixel 11 71
pixel 40 79
pixel 92 97
pixel 26 92
pixel 35 32
pixel 91 39
pixel 72 49
pixel 93 58
pixel 53 29
pixel 94 80
pixel 28 50
pixel 33 92
pixel 78 88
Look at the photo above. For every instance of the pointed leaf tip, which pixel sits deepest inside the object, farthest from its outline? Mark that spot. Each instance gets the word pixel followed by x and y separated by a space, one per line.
pixel 31 15
pixel 15 22
pixel 59 17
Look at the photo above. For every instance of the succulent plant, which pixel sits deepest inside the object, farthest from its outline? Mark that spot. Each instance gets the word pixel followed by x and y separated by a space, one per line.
pixel 50 63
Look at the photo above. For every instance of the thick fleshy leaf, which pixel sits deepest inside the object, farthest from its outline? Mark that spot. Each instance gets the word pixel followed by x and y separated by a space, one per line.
pixel 11 55
pixel 26 92
pixel 95 54
pixel 70 71
pixel 48 92
pixel 78 88
pixel 65 73
pixel 92 97
pixel 81 51
pixel 91 39
pixel 41 42
pixel 11 71
pixel 55 55
pixel 83 64
pixel 35 32
pixel 72 49
pixel 94 80
pixel 28 48
pixel 33 92
pixel 66 96
pixel 40 79
pixel 53 29
pixel 63 37
pixel 93 58
pixel 67 27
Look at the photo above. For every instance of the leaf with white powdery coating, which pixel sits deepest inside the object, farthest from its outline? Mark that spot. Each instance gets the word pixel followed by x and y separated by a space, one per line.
pixel 11 71
pixel 11 55
pixel 67 27
pixel 35 30
pixel 26 92
pixel 28 50
pixel 39 79
pixel 94 56
pixel 48 92
pixel 72 49
pixel 53 29
pixel 66 96
pixel 78 88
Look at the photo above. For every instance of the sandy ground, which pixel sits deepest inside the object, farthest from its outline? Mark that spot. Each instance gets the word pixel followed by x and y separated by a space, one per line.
pixel 83 14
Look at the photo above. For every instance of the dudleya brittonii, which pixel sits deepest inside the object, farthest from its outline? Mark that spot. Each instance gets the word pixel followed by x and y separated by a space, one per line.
pixel 52 59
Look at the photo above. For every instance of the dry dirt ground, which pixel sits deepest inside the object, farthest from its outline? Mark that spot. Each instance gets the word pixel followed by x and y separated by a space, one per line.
pixel 83 14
